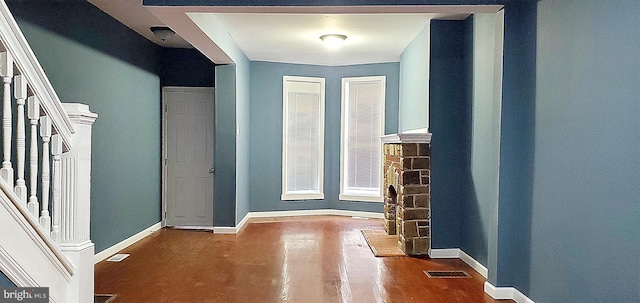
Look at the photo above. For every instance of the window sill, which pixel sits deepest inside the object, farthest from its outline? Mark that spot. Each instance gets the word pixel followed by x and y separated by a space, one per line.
pixel 343 197
pixel 295 197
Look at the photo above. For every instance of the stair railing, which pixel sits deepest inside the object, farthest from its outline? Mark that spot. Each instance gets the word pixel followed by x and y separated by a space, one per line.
pixel 50 186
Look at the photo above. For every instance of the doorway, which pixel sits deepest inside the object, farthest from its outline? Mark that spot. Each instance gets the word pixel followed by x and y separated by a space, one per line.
pixel 188 145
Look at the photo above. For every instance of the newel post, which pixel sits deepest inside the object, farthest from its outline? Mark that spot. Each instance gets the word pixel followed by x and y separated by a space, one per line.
pixel 75 169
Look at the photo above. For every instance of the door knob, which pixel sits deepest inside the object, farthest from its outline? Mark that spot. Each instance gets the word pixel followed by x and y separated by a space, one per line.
pixel 211 170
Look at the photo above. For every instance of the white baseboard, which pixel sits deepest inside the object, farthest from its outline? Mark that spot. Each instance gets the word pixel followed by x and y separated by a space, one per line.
pixel 506 293
pixel 242 223
pixel 444 253
pixel 315 212
pixel 498 293
pixel 296 213
pixel 126 243
pixel 225 230
pixel 481 269
pixel 192 227
pixel 448 253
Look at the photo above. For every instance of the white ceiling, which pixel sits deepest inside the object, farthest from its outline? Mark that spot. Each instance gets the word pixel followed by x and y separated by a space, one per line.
pixel 295 38
pixel 290 34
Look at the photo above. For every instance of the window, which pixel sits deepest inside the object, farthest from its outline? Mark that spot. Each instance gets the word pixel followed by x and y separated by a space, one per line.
pixel 360 147
pixel 303 138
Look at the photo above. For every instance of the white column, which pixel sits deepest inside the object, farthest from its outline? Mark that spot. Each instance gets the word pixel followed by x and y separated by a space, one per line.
pixel 45 133
pixel 33 109
pixel 75 240
pixel 56 151
pixel 20 93
pixel 6 72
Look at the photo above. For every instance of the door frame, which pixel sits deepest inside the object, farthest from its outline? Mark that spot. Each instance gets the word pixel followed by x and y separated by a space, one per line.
pixel 164 159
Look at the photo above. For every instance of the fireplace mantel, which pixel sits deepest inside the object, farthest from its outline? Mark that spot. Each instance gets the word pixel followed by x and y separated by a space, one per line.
pixel 411 136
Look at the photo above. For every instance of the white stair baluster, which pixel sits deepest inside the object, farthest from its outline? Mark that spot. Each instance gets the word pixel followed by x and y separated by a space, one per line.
pixel 51 245
pixel 56 151
pixel 33 109
pixel 6 72
pixel 45 133
pixel 20 93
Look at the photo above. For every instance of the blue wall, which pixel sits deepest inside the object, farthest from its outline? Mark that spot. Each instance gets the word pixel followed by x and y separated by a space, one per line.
pixel 186 67
pixel 414 83
pixel 480 214
pixel 450 123
pixel 585 217
pixel 516 147
pixel 244 128
pixel 224 206
pixel 93 59
pixel 4 281
pixel 266 131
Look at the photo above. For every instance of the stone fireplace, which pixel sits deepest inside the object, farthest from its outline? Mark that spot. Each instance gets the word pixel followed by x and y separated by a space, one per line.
pixel 407 170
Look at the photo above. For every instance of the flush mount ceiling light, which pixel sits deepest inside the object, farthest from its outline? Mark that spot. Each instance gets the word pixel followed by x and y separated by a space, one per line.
pixel 162 32
pixel 333 40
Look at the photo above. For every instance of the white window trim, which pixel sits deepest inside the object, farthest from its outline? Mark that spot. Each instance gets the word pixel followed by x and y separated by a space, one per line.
pixel 352 197
pixel 297 195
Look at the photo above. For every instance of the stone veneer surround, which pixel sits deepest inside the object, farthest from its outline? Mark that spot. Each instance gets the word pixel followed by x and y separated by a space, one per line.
pixel 407 163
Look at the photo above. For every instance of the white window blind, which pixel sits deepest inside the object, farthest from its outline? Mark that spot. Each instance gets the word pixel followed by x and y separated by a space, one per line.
pixel 363 101
pixel 303 138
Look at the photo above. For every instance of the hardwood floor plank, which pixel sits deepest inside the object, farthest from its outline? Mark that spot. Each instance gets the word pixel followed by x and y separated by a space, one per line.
pixel 310 259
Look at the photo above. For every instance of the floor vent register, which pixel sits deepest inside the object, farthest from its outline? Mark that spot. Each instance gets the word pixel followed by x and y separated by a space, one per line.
pixel 447 274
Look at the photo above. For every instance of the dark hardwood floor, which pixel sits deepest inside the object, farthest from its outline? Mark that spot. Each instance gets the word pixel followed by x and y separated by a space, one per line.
pixel 304 259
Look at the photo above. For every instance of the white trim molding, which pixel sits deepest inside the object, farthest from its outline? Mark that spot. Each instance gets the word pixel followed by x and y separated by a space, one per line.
pixel 444 253
pixel 225 230
pixel 481 269
pixel 450 253
pixel 295 213
pixel 421 135
pixel 28 242
pixel 348 122
pixel 506 293
pixel 126 242
pixel 498 293
pixel 307 86
pixel 14 271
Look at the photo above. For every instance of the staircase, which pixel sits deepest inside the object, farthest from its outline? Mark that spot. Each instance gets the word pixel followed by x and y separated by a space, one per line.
pixel 45 196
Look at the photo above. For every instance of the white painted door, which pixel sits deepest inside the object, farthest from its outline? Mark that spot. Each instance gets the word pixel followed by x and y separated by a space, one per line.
pixel 189 144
